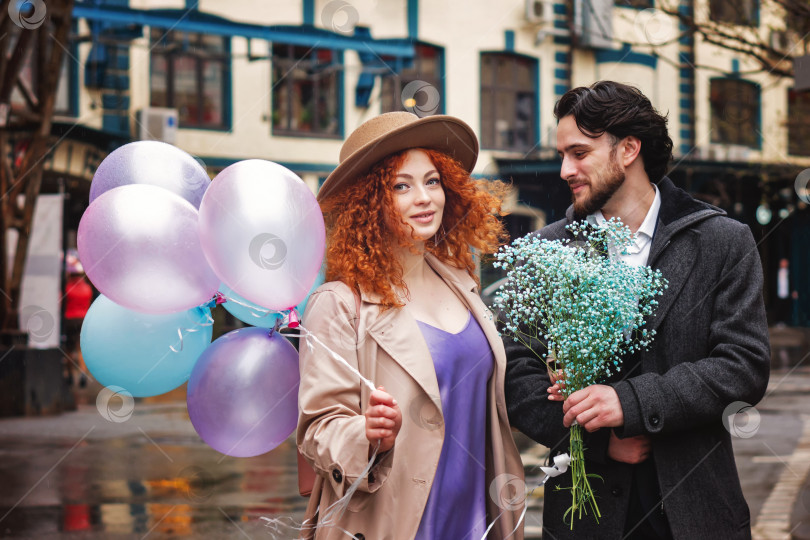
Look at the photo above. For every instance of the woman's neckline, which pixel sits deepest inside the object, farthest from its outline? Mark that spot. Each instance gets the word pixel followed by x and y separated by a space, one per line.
pixel 463 328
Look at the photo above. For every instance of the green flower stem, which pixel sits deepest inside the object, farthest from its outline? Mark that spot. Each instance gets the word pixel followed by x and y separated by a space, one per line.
pixel 582 496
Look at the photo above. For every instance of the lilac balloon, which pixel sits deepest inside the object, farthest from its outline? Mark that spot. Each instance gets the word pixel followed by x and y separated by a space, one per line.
pixel 243 392
pixel 155 163
pixel 139 247
pixel 262 232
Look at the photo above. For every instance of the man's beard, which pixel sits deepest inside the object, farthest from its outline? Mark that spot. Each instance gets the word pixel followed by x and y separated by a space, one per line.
pixel 602 193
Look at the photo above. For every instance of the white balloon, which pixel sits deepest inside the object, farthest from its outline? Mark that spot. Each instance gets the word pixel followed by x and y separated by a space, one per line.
pixel 154 163
pixel 262 232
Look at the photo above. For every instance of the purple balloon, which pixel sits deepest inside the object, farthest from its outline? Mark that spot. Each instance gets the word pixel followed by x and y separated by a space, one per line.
pixel 155 163
pixel 140 248
pixel 243 392
pixel 262 232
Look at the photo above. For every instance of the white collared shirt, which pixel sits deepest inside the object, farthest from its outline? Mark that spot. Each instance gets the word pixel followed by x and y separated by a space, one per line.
pixel 639 251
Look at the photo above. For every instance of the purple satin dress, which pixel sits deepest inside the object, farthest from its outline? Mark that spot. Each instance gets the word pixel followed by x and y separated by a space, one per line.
pixel 456 507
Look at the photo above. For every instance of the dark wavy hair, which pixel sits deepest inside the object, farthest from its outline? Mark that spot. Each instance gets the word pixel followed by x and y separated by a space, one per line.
pixel 620 111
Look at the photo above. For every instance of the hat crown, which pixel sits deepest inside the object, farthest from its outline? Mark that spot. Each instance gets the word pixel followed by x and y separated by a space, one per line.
pixel 374 129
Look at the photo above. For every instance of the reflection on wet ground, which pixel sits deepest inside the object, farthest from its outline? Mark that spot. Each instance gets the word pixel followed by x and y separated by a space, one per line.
pixel 79 476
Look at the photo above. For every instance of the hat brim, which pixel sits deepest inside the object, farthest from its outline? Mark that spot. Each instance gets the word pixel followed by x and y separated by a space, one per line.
pixel 446 134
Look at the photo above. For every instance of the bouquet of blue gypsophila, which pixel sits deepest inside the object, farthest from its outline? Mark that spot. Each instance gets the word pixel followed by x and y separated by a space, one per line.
pixel 586 308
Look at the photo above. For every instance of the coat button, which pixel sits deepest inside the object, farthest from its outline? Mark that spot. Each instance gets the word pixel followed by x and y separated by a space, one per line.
pixel 616 492
pixel 359 536
pixel 654 420
pixel 336 474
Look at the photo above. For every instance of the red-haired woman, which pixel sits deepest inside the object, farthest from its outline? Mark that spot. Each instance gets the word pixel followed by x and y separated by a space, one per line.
pixel 401 305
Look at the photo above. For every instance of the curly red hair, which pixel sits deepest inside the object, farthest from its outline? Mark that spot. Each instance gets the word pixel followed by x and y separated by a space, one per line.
pixel 360 237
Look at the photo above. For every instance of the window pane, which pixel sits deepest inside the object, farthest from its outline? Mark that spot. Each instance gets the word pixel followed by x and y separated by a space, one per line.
pixel 212 93
pixel 504 117
pixel 488 118
pixel 62 103
pixel 185 91
pixel 389 95
pixel 735 112
pixel 213 44
pixel 799 123
pixel 327 105
pixel 524 76
pixel 741 12
pixel 504 71
pixel 487 69
pixel 158 79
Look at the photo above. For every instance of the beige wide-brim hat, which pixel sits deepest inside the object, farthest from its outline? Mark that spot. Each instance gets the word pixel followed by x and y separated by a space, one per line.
pixel 394 132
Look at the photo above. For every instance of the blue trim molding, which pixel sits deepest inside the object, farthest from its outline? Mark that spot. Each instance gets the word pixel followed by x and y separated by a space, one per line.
pixel 206 23
pixel 413 19
pixel 308 16
pixel 509 40
pixel 222 162
pixel 626 55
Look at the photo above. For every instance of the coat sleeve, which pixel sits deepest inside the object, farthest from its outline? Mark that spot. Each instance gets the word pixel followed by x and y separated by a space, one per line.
pixel 736 367
pixel 331 426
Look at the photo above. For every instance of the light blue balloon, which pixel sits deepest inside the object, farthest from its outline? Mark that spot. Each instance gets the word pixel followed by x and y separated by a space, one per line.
pixel 133 350
pixel 254 315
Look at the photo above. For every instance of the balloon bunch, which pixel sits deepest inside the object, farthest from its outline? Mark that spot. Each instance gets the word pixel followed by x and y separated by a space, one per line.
pixel 164 245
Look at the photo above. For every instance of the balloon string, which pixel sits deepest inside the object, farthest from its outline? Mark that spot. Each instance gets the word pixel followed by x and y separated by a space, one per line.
pixel 561 463
pixel 200 325
pixel 307 334
pixel 254 310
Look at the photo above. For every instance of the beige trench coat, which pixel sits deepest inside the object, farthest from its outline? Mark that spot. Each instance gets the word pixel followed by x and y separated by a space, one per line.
pixel 389 350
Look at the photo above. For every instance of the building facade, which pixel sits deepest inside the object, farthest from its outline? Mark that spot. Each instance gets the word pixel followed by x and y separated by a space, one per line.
pixel 288 81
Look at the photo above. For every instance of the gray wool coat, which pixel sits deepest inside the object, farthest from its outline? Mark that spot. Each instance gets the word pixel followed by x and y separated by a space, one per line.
pixel 711 350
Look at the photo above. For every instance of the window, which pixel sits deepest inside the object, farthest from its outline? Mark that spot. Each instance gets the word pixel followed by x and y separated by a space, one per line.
pixel 191 73
pixel 798 122
pixel 416 87
pixel 508 102
pixel 735 112
pixel 63 103
pixel 742 12
pixel 306 91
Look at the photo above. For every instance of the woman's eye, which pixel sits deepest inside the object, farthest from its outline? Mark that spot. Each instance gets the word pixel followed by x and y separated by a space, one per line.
pixel 433 182
pixel 400 187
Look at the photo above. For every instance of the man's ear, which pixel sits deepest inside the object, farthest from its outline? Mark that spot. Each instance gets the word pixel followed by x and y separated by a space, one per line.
pixel 629 150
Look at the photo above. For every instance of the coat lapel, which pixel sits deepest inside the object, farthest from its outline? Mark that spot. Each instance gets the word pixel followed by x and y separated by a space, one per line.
pixel 675 261
pixel 396 332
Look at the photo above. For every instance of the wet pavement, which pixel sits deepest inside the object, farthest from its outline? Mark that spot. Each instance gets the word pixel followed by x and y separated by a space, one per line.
pixel 145 473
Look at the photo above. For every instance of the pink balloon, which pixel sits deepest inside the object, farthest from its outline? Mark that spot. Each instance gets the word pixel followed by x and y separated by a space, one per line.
pixel 262 231
pixel 243 392
pixel 140 248
pixel 155 163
